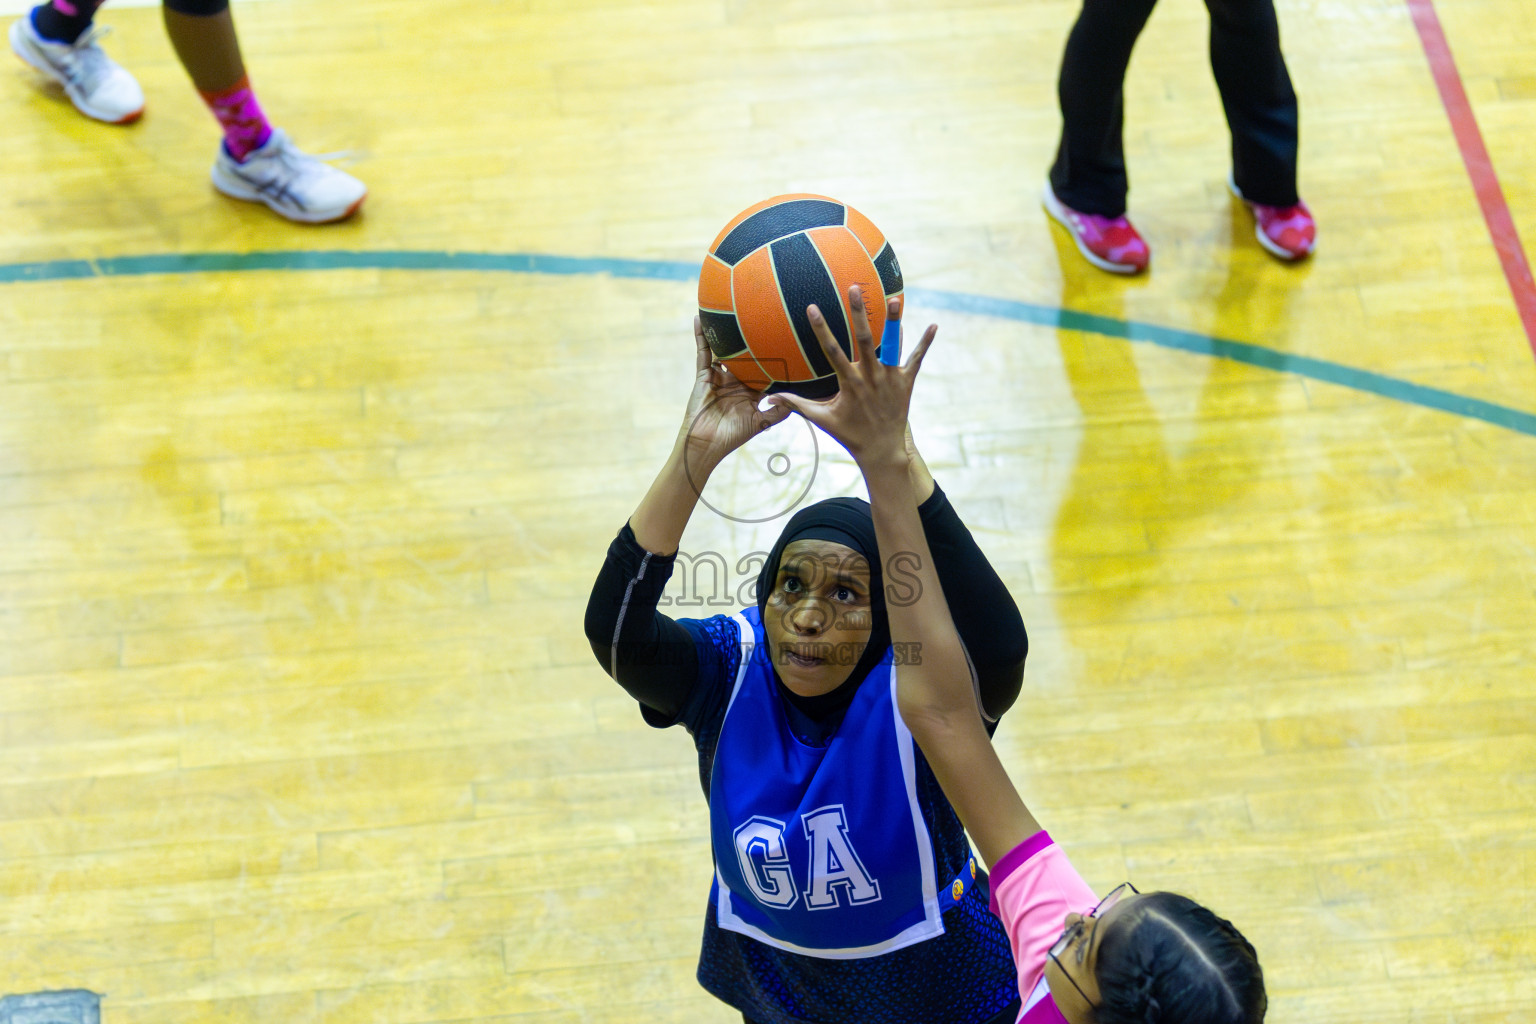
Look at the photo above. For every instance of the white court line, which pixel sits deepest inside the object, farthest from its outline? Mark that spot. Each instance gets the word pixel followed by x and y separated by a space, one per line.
pixel 8 7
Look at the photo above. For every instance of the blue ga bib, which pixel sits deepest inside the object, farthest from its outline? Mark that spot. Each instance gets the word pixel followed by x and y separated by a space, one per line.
pixel 819 850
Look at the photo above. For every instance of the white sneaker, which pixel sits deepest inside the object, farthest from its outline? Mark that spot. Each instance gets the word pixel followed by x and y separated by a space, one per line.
pixel 95 83
pixel 291 182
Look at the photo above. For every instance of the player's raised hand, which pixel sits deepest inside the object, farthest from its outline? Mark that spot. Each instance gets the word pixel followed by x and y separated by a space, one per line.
pixel 723 412
pixel 868 415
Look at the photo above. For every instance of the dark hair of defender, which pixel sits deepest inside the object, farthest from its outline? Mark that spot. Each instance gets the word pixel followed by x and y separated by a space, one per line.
pixel 1169 960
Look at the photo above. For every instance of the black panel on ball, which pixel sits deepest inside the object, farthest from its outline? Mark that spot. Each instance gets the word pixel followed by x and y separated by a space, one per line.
pixel 804 279
pixel 776 222
pixel 723 333
pixel 889 271
pixel 819 389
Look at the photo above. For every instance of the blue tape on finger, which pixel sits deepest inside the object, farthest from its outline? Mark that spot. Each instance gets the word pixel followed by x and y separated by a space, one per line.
pixel 890 343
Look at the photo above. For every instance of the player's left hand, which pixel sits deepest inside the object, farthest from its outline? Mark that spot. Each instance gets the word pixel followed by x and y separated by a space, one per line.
pixel 868 415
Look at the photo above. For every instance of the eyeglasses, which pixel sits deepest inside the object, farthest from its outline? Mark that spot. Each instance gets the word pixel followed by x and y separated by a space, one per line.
pixel 1075 930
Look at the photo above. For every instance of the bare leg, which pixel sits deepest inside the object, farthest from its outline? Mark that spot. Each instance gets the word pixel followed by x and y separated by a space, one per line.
pixel 203 34
pixel 208 48
pixel 256 162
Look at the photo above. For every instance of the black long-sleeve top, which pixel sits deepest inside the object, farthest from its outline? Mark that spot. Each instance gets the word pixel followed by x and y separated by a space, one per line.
pixel 682 672
pixel 660 661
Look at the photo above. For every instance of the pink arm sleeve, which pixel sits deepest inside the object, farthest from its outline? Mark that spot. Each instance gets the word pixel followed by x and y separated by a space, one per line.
pixel 1034 887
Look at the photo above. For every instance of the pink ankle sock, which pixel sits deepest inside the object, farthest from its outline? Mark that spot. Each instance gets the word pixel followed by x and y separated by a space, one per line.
pixel 245 126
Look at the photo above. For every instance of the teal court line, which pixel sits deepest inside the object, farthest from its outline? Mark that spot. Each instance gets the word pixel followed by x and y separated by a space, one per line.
pixel 665 270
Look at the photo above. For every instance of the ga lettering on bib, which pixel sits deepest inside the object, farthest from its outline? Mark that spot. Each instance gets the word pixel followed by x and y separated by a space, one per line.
pixel 819 850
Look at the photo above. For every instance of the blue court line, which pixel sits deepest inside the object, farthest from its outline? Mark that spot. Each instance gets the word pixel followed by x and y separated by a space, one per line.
pixel 211 262
pixel 666 270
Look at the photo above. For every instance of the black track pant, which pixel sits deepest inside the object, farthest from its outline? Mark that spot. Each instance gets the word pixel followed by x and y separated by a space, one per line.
pixel 1089 173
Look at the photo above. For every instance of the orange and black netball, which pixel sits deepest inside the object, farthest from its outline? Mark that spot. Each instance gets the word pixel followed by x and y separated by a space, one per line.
pixel 772 261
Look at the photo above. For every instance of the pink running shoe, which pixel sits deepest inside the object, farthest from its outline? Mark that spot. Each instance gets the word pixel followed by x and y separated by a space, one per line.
pixel 1109 243
pixel 1288 232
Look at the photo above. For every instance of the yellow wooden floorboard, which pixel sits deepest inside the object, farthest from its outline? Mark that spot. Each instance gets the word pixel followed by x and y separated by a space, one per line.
pixel 298 720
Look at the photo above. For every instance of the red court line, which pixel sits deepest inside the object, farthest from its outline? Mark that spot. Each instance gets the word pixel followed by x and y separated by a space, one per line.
pixel 1506 240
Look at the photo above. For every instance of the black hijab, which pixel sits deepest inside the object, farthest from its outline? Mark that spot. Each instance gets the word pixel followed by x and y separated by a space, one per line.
pixel 843 521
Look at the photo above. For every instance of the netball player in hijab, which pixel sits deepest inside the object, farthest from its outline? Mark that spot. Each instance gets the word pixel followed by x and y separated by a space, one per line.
pixel 1130 958
pixel 844 890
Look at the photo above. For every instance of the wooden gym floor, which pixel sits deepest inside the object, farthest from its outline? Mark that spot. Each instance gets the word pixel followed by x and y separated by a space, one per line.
pixel 298 721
